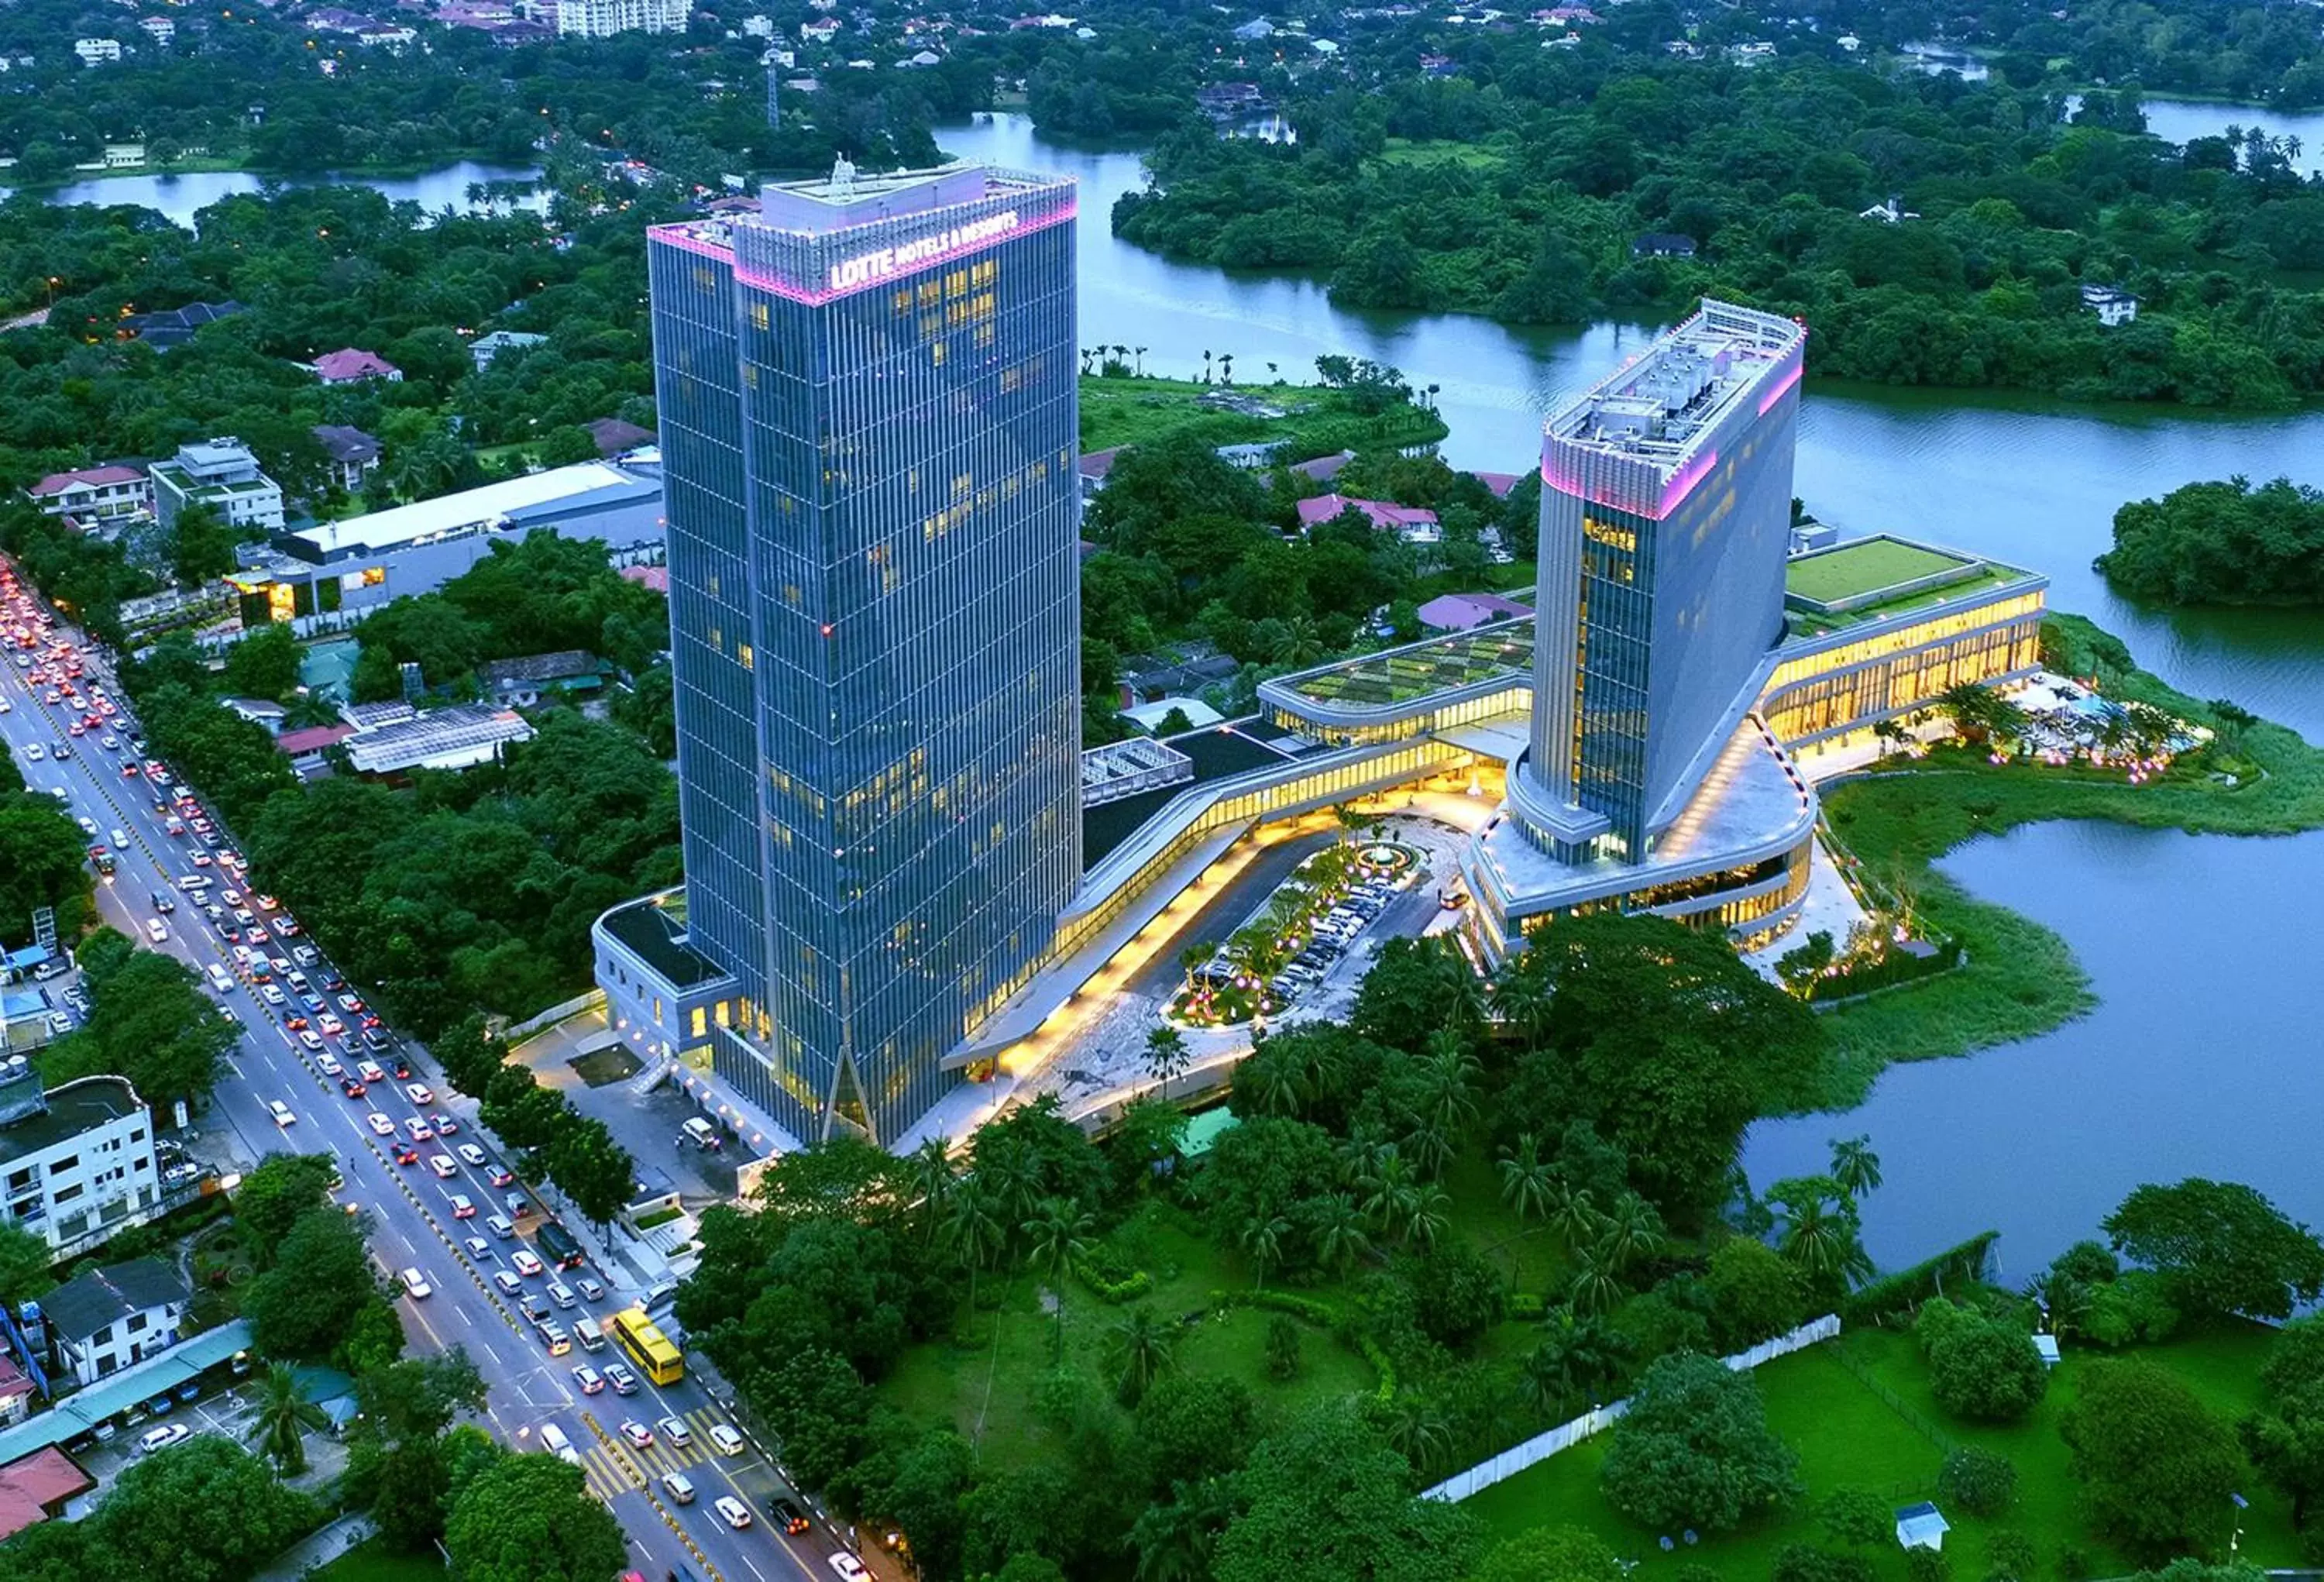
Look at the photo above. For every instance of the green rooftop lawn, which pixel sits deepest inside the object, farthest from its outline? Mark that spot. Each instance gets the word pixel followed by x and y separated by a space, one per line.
pixel 1808 623
pixel 1316 422
pixel 1854 569
pixel 1848 1436
pixel 1452 661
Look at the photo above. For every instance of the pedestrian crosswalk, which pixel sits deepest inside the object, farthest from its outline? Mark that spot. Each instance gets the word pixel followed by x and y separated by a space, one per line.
pixel 614 1466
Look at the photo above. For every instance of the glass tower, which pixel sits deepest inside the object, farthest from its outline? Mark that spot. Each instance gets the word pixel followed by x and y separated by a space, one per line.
pixel 1666 515
pixel 869 422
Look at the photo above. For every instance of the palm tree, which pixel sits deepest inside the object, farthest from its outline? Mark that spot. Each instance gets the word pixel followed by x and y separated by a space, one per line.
pixel 1855 1166
pixel 1392 1196
pixel 1206 364
pixel 1301 642
pixel 1362 1155
pixel 1273 1080
pixel 976 1232
pixel 1427 1218
pixel 1630 1231
pixel 1226 367
pixel 1451 1073
pixel 934 1182
pixel 1274 374
pixel 1521 999
pixel 1263 1240
pixel 1526 1178
pixel 1417 1431
pixel 1139 1348
pixel 1191 957
pixel 1174 1541
pixel 1056 1234
pixel 1595 1287
pixel 1430 1145
pixel 280 1418
pixel 1166 1056
pixel 1141 360
pixel 1339 1238
pixel 1570 1213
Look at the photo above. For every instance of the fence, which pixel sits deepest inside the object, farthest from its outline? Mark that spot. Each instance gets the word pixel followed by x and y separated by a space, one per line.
pixel 1896 1403
pixel 595 1000
pixel 1566 1435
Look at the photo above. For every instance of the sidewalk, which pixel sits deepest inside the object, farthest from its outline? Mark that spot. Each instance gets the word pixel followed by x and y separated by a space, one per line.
pixel 325 1544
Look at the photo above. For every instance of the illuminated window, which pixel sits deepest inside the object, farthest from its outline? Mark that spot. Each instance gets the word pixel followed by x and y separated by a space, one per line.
pixel 742 651
pixel 757 316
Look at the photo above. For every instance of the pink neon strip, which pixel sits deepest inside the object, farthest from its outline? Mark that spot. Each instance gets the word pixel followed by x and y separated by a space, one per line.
pixel 1684 484
pixel 817 297
pixel 1776 390
pixel 679 235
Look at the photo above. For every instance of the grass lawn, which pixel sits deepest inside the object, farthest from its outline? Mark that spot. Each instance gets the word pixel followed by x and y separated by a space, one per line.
pixel 2022 979
pixel 1318 422
pixel 1848 1436
pixel 991 1374
pixel 370 1562
pixel 1861 569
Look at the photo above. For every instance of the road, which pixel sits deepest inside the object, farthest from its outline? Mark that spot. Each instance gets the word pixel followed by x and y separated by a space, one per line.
pixel 411 1205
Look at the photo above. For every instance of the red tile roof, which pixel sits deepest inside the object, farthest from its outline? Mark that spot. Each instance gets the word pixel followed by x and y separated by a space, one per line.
pixel 33 1485
pixel 1322 508
pixel 654 577
pixel 352 363
pixel 313 739
pixel 56 483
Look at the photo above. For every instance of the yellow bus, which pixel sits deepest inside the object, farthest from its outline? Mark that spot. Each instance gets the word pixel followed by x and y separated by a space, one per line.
pixel 648 1346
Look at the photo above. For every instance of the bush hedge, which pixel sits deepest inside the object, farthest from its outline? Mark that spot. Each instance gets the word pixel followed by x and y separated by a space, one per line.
pixel 1908 1287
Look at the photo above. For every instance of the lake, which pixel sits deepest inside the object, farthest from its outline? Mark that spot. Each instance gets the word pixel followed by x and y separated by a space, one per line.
pixel 181 196
pixel 2165 1079
pixel 2021 478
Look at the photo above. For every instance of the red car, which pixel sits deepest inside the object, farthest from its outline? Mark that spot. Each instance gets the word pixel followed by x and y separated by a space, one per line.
pixel 351 1086
pixel 406 1154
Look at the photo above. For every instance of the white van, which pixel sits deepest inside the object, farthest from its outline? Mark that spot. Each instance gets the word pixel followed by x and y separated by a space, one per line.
pixel 703 1135
pixel 586 1330
pixel 220 978
pixel 553 1440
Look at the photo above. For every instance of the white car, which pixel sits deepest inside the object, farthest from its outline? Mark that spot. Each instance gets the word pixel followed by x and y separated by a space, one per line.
pixel 380 1126
pixel 87 825
pixel 35 751
pixel 638 1436
pixel 674 1430
pixel 462 1209
pixel 310 1041
pixel 524 1263
pixel 848 1568
pixel 416 1283
pixel 163 1438
pixel 471 1155
pixel 724 1437
pixel 590 1380
pixel 678 1487
pixel 328 1065
pixel 270 994
pixel 737 1514
pixel 156 929
pixel 281 1113
pixel 419 1093
pixel 478 1248
pixel 508 1283
pixel 442 1163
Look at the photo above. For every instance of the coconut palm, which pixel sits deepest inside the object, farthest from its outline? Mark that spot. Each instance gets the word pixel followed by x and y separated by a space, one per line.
pixel 1167 1057
pixel 280 1418
pixel 1855 1166
pixel 1430 1146
pixel 1595 1287
pixel 1174 1541
pixel 976 1233
pixel 1141 360
pixel 1057 1234
pixel 1526 1178
pixel 1631 1230
pixel 1139 1350
pixel 1361 1156
pixel 935 1180
pixel 1416 1429
pixel 1190 959
pixel 1449 1075
pixel 1570 1213
pixel 1339 1228
pixel 1392 1195
pixel 1263 1240
pixel 1274 1079
pixel 1521 1000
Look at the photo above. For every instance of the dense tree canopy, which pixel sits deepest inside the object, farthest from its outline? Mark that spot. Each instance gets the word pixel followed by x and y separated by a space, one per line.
pixel 2222 544
pixel 2220 1248
pixel 2155 1465
pixel 1694 1450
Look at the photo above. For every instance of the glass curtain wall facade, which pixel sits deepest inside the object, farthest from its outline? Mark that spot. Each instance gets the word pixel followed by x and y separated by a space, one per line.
pixel 1664 515
pixel 869 426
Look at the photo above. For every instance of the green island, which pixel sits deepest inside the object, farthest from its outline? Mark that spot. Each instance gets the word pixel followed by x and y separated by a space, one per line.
pixel 2230 542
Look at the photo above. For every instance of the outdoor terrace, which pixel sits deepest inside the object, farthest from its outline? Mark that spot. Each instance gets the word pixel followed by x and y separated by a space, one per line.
pixel 1873 579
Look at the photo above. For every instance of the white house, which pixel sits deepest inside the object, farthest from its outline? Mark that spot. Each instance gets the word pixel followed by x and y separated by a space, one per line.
pixel 219 473
pixel 2112 304
pixel 98 51
pixel 76 1163
pixel 109 1318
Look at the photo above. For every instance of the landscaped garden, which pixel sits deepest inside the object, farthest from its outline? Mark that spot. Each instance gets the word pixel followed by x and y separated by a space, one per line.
pixel 1243 978
pixel 1126 408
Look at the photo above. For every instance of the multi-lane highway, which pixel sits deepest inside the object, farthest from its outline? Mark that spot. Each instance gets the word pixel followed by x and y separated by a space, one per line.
pixel 412 1206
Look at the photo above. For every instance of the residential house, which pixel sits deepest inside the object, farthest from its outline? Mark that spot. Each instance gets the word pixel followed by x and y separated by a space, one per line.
pixel 614 436
pixel 654 577
pixel 1890 213
pixel 394 739
pixel 2112 304
pixel 305 748
pixel 352 365
pixel 264 713
pixel 1230 101
pixel 221 473
pixel 1251 32
pixel 485 347
pixel 94 495
pixel 160 29
pixel 1144 678
pixel 76 1161
pixel 1094 469
pixel 98 51
pixel 109 1318
pixel 521 683
pixel 1412 523
pixel 1458 612
pixel 16 1405
pixel 385 35
pixel 1251 456
pixel 174 326
pixel 1501 484
pixel 354 454
pixel 1322 470
pixel 37 1487
pixel 1662 244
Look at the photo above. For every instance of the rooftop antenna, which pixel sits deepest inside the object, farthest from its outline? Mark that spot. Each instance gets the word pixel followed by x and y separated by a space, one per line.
pixel 843 177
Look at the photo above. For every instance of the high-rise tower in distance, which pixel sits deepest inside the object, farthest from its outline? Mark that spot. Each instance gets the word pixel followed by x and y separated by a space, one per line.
pixel 1666 499
pixel 869 422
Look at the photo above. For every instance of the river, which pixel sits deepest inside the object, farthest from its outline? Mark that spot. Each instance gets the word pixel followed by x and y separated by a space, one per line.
pixel 2198 1060
pixel 181 196
pixel 2021 478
